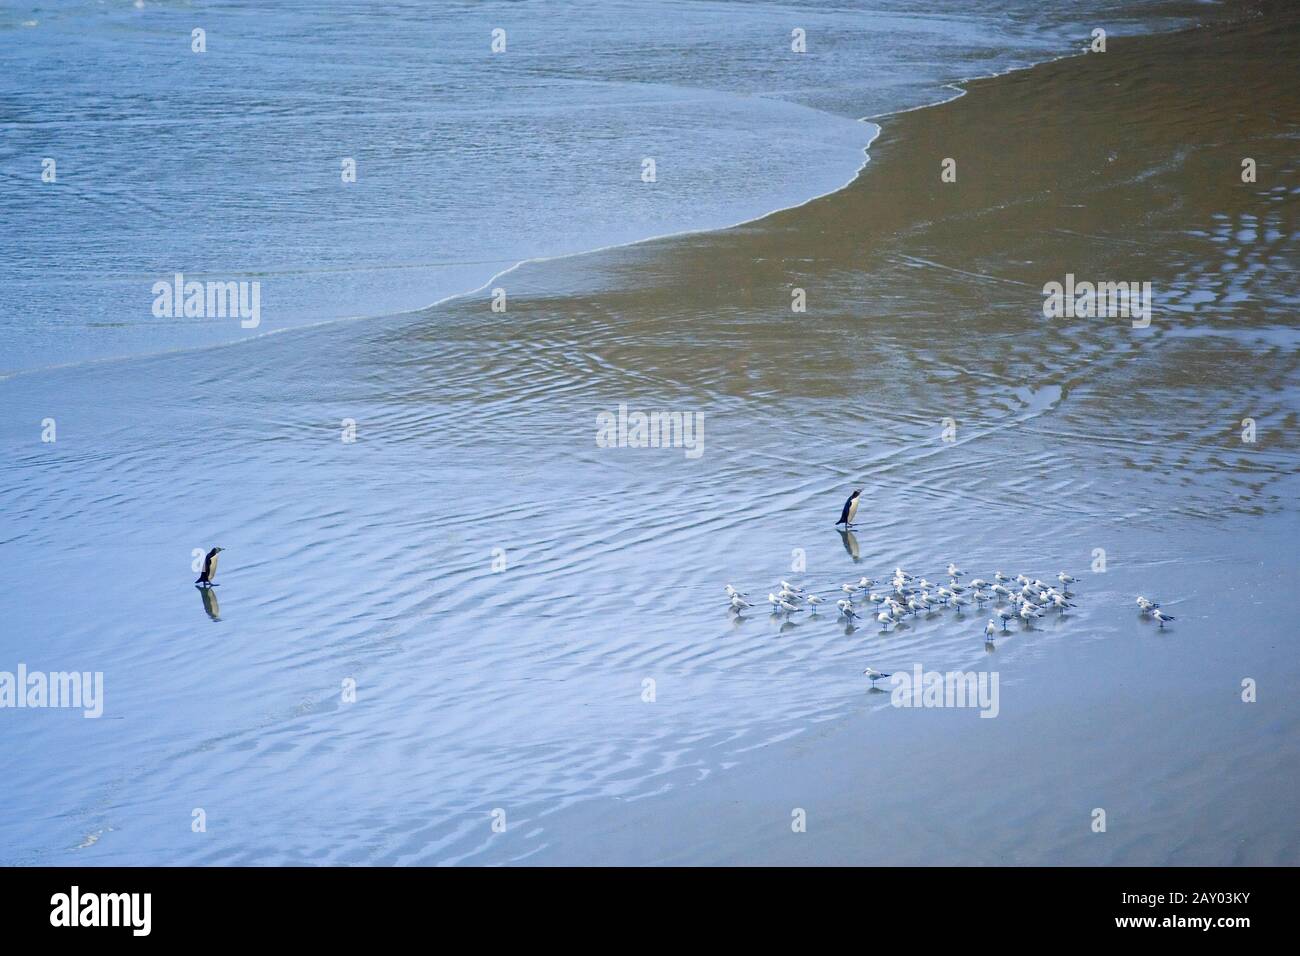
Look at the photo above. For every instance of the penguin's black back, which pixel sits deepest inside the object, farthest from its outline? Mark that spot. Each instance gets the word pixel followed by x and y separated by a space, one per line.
pixel 207 567
pixel 844 515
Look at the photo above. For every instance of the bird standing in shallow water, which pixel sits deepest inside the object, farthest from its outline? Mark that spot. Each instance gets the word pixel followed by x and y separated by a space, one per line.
pixel 209 569
pixel 850 510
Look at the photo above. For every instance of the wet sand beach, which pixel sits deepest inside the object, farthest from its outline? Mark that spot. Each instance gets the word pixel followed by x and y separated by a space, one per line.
pixel 500 587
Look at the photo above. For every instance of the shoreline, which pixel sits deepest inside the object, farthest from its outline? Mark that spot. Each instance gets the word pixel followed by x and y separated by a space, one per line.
pixel 520 687
pixel 960 88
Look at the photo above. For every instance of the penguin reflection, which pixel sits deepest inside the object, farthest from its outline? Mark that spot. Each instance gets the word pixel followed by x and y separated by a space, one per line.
pixel 210 604
pixel 851 545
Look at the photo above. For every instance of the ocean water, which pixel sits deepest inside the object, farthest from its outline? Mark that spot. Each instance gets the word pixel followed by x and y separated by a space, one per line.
pixel 496 587
pixel 227 165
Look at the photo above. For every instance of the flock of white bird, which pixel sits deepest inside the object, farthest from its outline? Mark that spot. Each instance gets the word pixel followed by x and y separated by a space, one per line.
pixel 904 594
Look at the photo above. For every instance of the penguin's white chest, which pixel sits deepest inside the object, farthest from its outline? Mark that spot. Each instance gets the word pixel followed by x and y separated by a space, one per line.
pixel 853 509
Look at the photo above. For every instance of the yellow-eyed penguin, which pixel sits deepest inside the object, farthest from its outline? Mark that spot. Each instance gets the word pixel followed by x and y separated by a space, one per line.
pixel 850 510
pixel 209 568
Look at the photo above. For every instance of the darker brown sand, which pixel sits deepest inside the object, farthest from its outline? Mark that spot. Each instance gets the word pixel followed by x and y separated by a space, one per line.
pixel 925 297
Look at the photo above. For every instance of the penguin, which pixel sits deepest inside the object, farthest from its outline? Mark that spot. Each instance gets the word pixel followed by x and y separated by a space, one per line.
pixel 209 568
pixel 850 510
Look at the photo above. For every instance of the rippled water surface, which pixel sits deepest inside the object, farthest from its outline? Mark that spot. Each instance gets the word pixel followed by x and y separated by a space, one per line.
pixel 500 588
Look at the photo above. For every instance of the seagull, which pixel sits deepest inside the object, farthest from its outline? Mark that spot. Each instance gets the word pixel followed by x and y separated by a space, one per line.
pixel 900 573
pixel 885 619
pixel 850 589
pixel 960 602
pixel 864 583
pixel 782 603
pixel 875 598
pixel 732 592
pixel 814 600
pixel 787 586
pixel 954 571
pixel 738 602
pixel 1146 605
pixel 990 629
pixel 1161 616
pixel 999 589
pixel 787 595
pixel 1006 614
pixel 1060 601
pixel 1028 612
pixel 1000 577
pixel 1065 579
pixel 846 608
pixel 875 675
pixel 979 583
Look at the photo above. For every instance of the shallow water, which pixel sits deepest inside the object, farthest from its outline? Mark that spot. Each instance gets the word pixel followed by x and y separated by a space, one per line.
pixel 226 165
pixel 521 686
